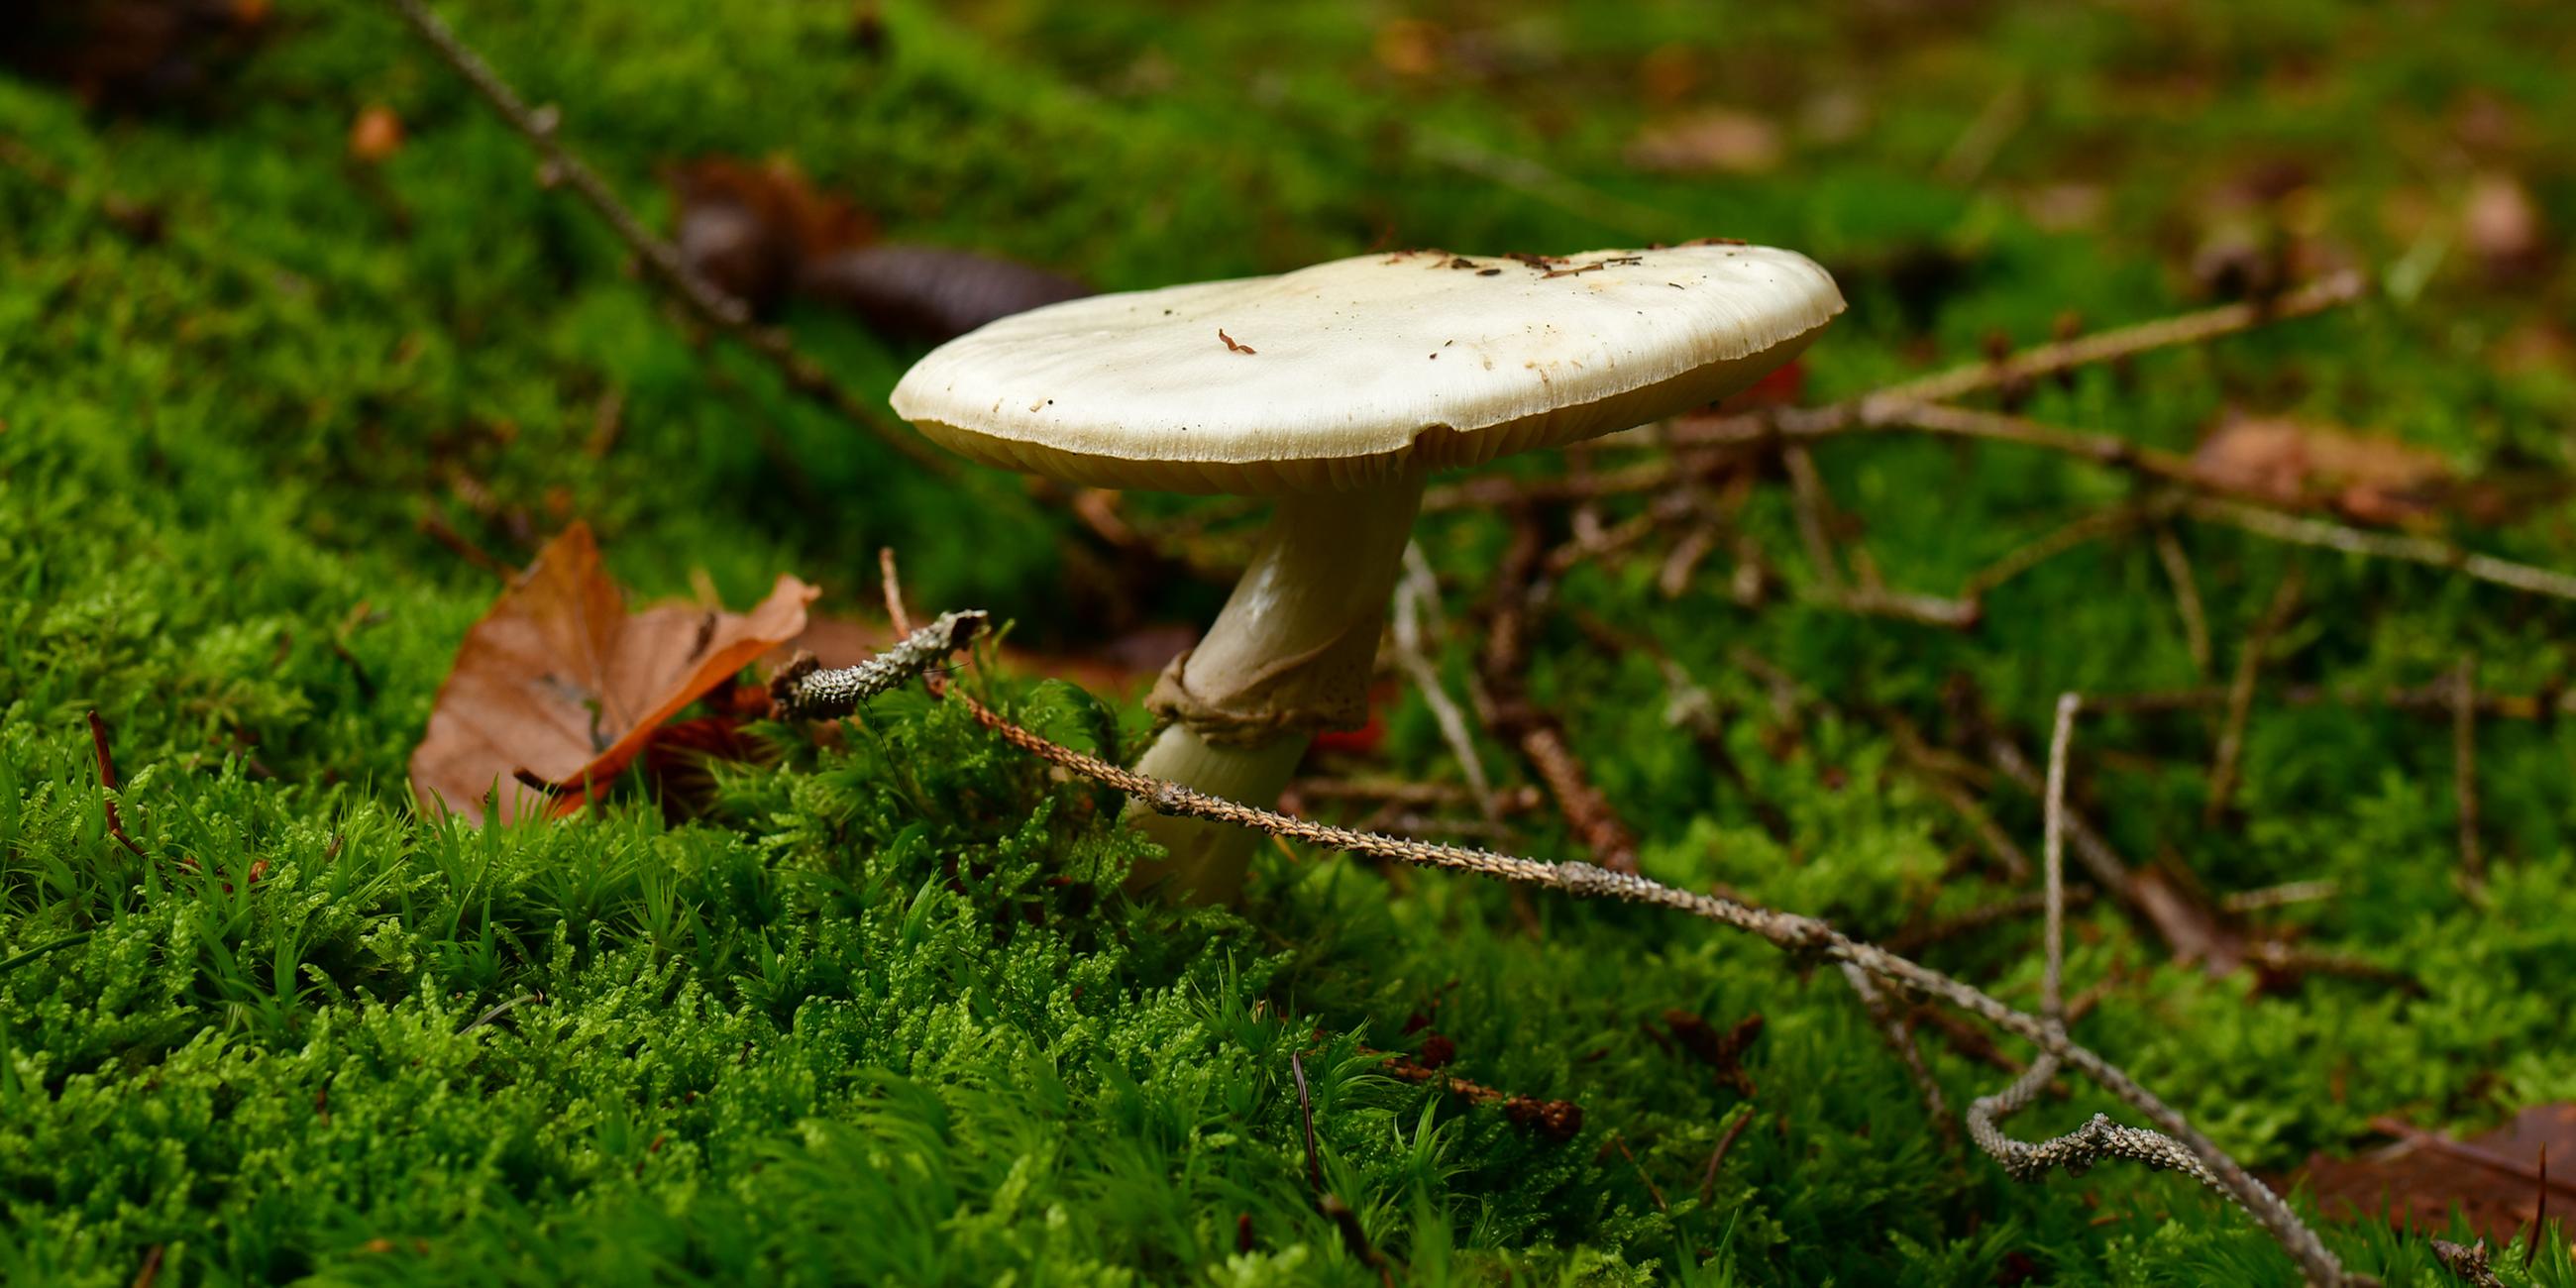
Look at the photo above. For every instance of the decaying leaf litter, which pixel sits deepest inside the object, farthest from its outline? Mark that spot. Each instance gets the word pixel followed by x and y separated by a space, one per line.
pixel 1861 579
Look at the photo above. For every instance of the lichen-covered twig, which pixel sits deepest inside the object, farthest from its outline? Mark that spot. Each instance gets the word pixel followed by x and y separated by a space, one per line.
pixel 801 692
pixel 538 125
pixel 2180 1145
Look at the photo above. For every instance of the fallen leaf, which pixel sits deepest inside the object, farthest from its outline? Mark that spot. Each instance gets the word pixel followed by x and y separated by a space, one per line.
pixel 560 681
pixel 2494 1179
pixel 748 226
pixel 375 135
pixel 2367 478
pixel 1720 140
pixel 133 54
pixel 930 293
pixel 763 234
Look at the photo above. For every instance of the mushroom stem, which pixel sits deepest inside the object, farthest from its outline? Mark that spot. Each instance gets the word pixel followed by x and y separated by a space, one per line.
pixel 1291 653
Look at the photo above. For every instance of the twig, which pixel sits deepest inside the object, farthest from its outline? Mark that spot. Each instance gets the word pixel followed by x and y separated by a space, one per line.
pixel 1557 1120
pixel 1725 1143
pixel 539 126
pixel 436 529
pixel 1814 506
pixel 2382 545
pixel 1306 1110
pixel 2090 527
pixel 107 783
pixel 1801 935
pixel 1503 700
pixel 891 583
pixel 1354 1235
pixel 1897 406
pixel 801 692
pixel 2240 691
pixel 1811 505
pixel 2186 588
pixel 1652 1190
pixel 2052 988
pixel 2468 1261
pixel 2464 769
pixel 1417 596
pixel 2276 896
pixel 1900 1038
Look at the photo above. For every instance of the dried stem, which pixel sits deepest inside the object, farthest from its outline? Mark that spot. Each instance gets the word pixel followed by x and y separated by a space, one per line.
pixel 1801 935
pixel 2240 691
pixel 1417 597
pixel 2298 530
pixel 539 126
pixel 2053 859
pixel 2464 769
pixel 107 783
pixel 2186 588
pixel 1503 700
pixel 1900 1038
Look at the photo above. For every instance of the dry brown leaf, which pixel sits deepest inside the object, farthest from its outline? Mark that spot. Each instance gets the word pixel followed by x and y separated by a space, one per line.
pixel 2493 1179
pixel 747 226
pixel 2366 478
pixel 560 681
pixel 1716 139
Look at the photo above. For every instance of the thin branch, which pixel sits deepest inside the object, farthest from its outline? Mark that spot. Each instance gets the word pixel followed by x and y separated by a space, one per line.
pixel 107 783
pixel 2464 769
pixel 2186 588
pixel 1417 596
pixel 2053 858
pixel 802 692
pixel 2240 691
pixel 2302 531
pixel 1716 1156
pixel 2090 527
pixel 1900 1038
pixel 540 125
pixel 1801 935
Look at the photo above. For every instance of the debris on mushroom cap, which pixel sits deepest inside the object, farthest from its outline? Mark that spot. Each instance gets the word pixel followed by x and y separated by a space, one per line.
pixel 1125 390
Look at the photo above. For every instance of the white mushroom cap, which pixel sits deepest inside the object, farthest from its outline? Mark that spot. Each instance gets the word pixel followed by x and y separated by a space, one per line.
pixel 1345 373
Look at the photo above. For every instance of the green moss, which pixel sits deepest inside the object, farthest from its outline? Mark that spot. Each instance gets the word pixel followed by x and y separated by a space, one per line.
pixel 881 1016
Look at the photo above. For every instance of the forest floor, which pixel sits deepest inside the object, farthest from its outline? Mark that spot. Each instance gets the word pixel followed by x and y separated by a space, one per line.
pixel 876 1012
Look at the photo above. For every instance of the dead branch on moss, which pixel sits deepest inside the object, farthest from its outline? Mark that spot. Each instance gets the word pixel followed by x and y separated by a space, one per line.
pixel 1557 1120
pixel 1886 407
pixel 540 126
pixel 1800 935
pixel 802 691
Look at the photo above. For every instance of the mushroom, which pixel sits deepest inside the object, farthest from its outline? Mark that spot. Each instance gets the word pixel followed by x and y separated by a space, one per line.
pixel 1338 389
